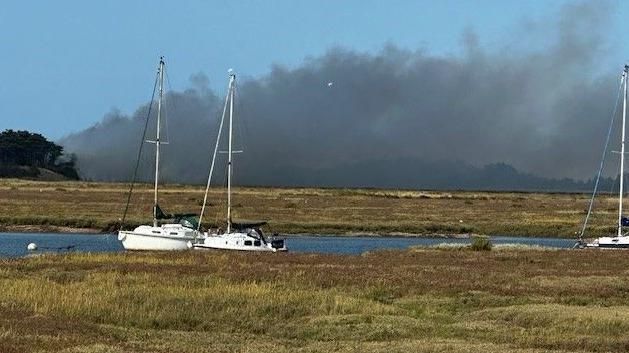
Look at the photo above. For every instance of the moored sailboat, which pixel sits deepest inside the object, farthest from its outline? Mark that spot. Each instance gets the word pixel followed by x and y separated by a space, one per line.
pixel 239 235
pixel 620 240
pixel 173 235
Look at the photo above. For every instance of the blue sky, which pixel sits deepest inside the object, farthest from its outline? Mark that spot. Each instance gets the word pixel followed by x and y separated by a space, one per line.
pixel 65 63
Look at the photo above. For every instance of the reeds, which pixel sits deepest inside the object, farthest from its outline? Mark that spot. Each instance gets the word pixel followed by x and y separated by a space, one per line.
pixel 481 243
pixel 309 210
pixel 424 300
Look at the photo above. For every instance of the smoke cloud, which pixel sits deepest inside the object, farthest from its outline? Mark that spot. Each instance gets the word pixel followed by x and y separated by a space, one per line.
pixel 539 103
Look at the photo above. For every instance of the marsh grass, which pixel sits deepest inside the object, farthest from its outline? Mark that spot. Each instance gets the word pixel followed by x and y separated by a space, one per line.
pixel 481 243
pixel 308 210
pixel 424 300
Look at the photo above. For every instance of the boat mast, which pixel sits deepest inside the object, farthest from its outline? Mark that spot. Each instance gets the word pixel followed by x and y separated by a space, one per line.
pixel 232 79
pixel 157 142
pixel 622 149
pixel 218 141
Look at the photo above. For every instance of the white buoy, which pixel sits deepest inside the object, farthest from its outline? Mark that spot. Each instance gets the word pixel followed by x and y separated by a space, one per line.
pixel 330 84
pixel 31 247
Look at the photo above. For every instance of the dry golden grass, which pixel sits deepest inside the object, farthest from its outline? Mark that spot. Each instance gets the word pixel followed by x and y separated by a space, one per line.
pixel 308 210
pixel 423 300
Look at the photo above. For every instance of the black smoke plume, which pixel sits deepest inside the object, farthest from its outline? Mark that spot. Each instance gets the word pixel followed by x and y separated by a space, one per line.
pixel 397 118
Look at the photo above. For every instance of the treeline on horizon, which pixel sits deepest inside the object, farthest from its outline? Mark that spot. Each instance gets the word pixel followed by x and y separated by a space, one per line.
pixel 422 175
pixel 23 153
pixel 410 174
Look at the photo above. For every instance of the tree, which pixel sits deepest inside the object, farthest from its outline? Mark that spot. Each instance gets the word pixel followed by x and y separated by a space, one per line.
pixel 24 148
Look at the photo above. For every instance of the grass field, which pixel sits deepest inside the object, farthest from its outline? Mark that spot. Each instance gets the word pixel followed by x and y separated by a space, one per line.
pixel 422 300
pixel 324 211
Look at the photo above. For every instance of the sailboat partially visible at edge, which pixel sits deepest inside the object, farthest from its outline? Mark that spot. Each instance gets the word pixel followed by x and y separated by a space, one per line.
pixel 239 235
pixel 166 236
pixel 621 239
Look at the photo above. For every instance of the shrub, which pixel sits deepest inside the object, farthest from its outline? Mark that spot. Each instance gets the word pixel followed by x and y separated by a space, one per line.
pixel 481 243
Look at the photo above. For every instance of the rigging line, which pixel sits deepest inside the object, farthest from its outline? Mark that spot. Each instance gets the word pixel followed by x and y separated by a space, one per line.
pixel 137 163
pixel 219 214
pixel 242 126
pixel 614 183
pixel 600 169
pixel 170 105
pixel 218 140
pixel 614 186
pixel 222 205
pixel 227 177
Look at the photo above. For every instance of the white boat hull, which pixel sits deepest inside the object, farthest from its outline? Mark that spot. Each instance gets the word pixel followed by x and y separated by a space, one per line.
pixel 167 237
pixel 621 242
pixel 238 242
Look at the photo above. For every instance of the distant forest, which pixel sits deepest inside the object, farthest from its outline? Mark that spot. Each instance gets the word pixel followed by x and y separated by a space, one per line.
pixel 23 154
pixel 416 174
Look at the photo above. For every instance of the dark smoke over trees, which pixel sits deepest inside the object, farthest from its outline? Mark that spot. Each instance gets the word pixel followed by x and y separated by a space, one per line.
pixel 397 118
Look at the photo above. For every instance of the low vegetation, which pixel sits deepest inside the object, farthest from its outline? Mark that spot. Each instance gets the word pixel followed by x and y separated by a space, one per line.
pixel 481 243
pixel 307 210
pixel 421 300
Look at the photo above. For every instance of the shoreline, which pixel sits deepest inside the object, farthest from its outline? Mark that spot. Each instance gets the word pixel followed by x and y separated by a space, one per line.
pixel 87 207
pixel 94 231
pixel 48 229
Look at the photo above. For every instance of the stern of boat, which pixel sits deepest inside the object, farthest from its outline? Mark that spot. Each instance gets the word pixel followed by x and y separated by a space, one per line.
pixel 278 244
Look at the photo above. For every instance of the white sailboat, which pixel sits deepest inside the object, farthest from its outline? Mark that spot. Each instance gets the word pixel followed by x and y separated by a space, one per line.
pixel 621 239
pixel 243 235
pixel 169 236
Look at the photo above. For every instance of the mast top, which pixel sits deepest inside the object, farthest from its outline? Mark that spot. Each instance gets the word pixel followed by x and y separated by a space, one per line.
pixel 231 73
pixel 162 63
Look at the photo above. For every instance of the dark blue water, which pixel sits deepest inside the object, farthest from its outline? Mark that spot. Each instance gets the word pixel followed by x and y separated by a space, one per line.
pixel 358 245
pixel 14 244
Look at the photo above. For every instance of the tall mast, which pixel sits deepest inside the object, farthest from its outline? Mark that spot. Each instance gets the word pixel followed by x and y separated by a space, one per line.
pixel 232 79
pixel 622 149
pixel 157 142
pixel 218 141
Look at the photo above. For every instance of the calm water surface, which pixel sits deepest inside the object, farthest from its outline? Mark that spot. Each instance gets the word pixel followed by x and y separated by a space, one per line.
pixel 14 244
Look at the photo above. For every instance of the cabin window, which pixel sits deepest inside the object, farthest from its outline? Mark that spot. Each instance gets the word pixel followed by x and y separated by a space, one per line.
pixel 173 233
pixel 157 232
pixel 256 242
pixel 248 242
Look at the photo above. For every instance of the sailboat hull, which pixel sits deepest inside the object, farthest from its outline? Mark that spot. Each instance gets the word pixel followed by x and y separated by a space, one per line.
pixel 239 242
pixel 618 241
pixel 166 238
pixel 621 242
pixel 246 237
